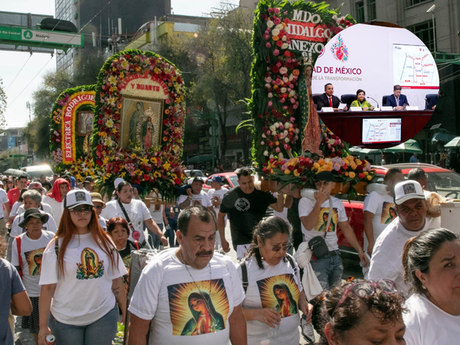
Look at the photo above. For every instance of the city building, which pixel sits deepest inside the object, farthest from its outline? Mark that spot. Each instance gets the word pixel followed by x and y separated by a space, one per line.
pixel 105 25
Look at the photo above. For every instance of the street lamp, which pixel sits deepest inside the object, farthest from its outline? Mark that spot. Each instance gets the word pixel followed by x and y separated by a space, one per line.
pixel 431 10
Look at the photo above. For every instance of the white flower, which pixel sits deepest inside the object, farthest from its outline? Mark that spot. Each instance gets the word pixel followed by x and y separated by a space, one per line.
pixel 271 156
pixel 285 80
pixel 280 155
pixel 284 45
pixel 297 131
pixel 275 32
pixel 286 132
pixel 291 77
pixel 268 86
pixel 263 135
pixel 270 95
pixel 283 39
pixel 265 153
pixel 277 124
pixel 272 128
pixel 268 79
pixel 270 24
pixel 286 140
pixel 286 125
pixel 283 70
pixel 279 27
pixel 292 93
pixel 283 89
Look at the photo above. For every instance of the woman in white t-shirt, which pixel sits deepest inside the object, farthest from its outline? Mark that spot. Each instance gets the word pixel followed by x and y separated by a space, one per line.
pixel 27 258
pixel 274 294
pixel 81 279
pixel 432 269
pixel 137 212
pixel 54 198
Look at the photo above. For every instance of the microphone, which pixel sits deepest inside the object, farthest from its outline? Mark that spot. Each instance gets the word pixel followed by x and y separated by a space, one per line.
pixel 374 101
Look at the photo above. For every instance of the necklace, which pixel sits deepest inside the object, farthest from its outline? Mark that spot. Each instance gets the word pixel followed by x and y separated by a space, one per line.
pixel 213 319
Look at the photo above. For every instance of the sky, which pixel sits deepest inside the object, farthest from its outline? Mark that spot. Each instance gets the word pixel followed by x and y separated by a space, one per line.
pixel 20 84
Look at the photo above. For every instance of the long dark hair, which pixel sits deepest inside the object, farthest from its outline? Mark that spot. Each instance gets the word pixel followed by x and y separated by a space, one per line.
pixel 266 229
pixel 419 251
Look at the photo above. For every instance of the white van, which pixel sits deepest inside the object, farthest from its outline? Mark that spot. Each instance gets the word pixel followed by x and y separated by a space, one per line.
pixel 35 171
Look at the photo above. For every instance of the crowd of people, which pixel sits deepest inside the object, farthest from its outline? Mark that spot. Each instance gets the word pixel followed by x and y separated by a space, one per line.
pixel 69 250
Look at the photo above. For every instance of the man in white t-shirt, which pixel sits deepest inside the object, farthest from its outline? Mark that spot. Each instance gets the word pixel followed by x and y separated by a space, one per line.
pixel 3 213
pixel 217 192
pixel 198 196
pixel 314 216
pixel 189 295
pixel 379 209
pixel 386 262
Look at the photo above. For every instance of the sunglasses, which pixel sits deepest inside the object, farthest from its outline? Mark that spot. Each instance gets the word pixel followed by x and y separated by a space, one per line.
pixel 82 210
pixel 367 289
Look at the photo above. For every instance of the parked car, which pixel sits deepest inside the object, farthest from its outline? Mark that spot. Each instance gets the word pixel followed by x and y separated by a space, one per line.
pixel 35 171
pixel 195 173
pixel 443 181
pixel 229 179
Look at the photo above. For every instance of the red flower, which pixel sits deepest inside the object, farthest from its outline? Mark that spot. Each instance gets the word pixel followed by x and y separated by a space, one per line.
pixel 361 175
pixel 359 168
pixel 339 172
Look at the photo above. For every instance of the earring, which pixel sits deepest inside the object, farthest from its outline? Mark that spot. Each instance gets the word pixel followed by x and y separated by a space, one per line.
pixel 423 287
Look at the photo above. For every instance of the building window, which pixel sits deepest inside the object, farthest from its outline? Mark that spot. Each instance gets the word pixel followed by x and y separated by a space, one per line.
pixel 415 2
pixel 360 11
pixel 371 10
pixel 424 31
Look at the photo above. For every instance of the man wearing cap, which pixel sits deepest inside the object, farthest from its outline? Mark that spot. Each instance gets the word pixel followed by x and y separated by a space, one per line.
pixel 88 184
pixel 99 205
pixel 386 262
pixel 397 100
pixel 315 214
pixel 199 197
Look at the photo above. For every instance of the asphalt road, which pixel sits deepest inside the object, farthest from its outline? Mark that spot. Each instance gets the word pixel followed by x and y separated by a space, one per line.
pixel 24 337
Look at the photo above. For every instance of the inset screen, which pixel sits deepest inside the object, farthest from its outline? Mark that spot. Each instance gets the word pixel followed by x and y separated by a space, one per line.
pixel 381 130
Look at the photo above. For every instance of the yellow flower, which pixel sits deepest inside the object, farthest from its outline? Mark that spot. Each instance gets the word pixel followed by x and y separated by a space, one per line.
pixel 316 165
pixel 144 160
pixel 173 176
pixel 124 63
pixel 321 162
pixel 109 123
pixel 157 174
pixel 328 168
pixel 166 166
pixel 287 171
pixel 350 158
pixel 296 173
pixel 133 156
pixel 293 162
pixel 112 80
pixel 153 160
pixel 369 177
pixel 330 163
pixel 123 174
pixel 351 174
pixel 138 172
pixel 358 162
pixel 366 173
pixel 353 165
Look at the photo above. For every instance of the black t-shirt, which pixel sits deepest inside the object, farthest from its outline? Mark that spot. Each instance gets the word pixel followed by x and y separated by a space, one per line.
pixel 244 212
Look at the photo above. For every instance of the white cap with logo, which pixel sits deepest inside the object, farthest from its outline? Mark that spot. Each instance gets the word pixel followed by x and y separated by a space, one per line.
pixel 76 198
pixel 407 190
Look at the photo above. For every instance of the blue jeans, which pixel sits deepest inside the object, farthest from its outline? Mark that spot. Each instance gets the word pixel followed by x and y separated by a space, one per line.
pixel 154 241
pixel 329 270
pixel 100 332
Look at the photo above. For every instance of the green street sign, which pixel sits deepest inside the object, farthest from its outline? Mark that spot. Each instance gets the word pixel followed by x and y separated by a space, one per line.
pixel 15 156
pixel 28 34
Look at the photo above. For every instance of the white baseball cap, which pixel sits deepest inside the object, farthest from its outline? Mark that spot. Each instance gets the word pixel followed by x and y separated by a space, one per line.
pixel 76 198
pixel 407 190
pixel 117 181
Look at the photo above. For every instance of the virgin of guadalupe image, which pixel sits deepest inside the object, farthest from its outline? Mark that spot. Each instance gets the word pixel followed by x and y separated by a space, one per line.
pixel 205 317
pixel 325 219
pixel 147 133
pixel 286 304
pixel 392 215
pixel 90 267
pixel 136 118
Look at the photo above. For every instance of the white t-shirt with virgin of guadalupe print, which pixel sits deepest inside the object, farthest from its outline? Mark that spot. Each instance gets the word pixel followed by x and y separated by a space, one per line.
pixel 273 287
pixel 201 199
pixel 137 212
pixel 306 205
pixel 31 256
pixel 384 210
pixel 187 306
pixel 84 292
pixel 428 324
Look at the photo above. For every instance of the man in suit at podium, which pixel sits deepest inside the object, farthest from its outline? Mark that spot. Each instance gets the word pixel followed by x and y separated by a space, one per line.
pixel 396 100
pixel 327 99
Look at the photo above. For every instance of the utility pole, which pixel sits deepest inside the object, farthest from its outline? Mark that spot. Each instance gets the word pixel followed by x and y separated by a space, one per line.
pixel 29 106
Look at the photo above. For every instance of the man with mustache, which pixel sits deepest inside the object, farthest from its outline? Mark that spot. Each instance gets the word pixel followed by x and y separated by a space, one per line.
pixel 178 273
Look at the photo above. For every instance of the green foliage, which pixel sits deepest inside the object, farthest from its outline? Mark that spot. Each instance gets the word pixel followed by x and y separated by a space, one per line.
pixel 3 104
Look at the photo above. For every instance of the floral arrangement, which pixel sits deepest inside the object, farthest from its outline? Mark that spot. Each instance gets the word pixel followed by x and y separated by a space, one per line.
pixel 56 119
pixel 156 167
pixel 275 76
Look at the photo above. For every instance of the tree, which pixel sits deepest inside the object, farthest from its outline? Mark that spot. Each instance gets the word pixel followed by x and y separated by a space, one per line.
pixel 3 104
pixel 88 66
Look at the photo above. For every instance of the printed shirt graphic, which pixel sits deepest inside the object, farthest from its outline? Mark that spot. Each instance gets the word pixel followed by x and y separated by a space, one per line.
pixel 279 292
pixel 34 260
pixel 388 213
pixel 199 308
pixel 324 215
pixel 90 266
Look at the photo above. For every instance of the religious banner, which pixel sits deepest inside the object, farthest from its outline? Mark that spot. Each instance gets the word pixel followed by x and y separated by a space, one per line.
pixel 71 129
pixel 139 122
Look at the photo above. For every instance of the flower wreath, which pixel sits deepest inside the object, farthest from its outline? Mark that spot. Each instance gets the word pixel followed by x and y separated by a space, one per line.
pixel 275 75
pixel 80 144
pixel 157 167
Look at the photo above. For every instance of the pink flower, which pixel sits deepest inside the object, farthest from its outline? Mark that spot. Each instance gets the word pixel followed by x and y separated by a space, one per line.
pixel 276 21
pixel 286 147
pixel 277 10
pixel 277 150
pixel 268 133
pixel 293 119
pixel 276 52
pixel 337 29
pixel 281 127
pixel 266 37
pixel 283 70
pixel 282 100
pixel 285 107
pixel 262 143
pixel 270 103
pixel 292 100
pixel 295 106
pixel 267 45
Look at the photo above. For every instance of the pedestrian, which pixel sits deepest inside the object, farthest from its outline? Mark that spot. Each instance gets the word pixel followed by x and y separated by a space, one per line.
pixel 99 205
pixel 14 209
pixel 172 212
pixel 36 186
pixel 274 293
pixel 27 257
pixel 13 194
pixel 432 270
pixel 4 212
pixel 411 221
pixel 320 217
pixel 189 295
pixel 379 209
pixel 198 196
pixel 157 212
pixel 54 198
pixel 134 212
pixel 216 195
pixel 413 158
pixel 362 312
pixel 245 207
pixel 81 279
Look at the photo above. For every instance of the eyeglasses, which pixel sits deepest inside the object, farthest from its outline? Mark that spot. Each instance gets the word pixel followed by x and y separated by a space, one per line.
pixel 367 289
pixel 82 210
pixel 285 248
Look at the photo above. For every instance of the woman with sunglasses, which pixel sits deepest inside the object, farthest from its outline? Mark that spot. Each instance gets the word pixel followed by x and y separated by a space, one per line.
pixel 432 269
pixel 361 313
pixel 274 294
pixel 81 279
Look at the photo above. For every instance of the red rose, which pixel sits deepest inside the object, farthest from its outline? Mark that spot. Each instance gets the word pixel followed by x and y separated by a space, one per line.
pixel 339 172
pixel 279 43
pixel 361 175
pixel 287 53
pixel 291 168
pixel 359 168
pixel 339 153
